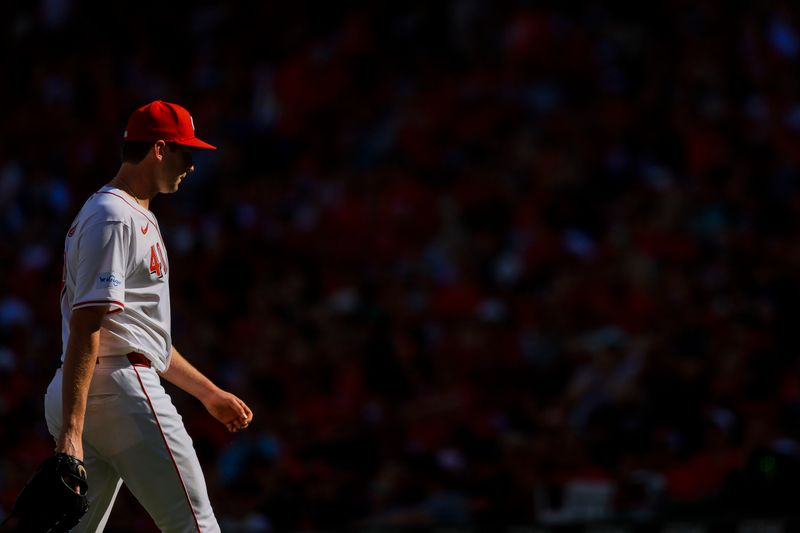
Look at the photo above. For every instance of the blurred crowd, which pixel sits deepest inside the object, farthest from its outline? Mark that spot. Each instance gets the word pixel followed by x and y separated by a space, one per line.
pixel 470 261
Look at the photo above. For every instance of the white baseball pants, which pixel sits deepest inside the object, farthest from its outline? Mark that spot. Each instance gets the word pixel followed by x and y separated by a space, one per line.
pixel 134 435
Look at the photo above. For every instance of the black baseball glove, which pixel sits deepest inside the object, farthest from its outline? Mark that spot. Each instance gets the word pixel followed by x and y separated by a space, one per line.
pixel 48 503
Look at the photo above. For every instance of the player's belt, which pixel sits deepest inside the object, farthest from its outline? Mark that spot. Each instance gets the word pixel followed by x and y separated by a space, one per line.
pixel 135 358
pixel 138 359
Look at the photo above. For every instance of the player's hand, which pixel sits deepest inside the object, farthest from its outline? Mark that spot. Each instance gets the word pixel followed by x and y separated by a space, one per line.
pixel 230 410
pixel 71 446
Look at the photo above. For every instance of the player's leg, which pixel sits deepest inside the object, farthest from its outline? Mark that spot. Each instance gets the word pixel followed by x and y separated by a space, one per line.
pixel 104 485
pixel 162 470
pixel 104 482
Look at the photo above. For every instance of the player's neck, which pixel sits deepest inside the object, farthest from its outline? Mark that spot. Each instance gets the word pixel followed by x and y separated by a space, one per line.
pixel 130 186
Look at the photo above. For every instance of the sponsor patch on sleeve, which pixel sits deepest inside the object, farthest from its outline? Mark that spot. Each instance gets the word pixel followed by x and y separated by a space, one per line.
pixel 109 280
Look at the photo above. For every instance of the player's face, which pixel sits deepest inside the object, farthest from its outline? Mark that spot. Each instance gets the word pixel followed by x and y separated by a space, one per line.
pixel 177 164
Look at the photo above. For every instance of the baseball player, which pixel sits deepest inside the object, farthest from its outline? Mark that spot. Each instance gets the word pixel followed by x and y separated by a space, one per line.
pixel 106 404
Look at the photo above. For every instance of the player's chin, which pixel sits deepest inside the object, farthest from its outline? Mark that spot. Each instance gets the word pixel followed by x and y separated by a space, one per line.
pixel 175 185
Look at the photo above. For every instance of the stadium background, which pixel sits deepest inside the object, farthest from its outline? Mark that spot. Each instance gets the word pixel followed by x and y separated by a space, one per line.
pixel 474 264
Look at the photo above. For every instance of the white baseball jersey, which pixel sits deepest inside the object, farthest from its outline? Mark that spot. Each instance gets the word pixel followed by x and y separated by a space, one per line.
pixel 114 255
pixel 123 263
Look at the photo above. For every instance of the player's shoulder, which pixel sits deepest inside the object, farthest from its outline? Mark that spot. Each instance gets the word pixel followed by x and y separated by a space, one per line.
pixel 109 204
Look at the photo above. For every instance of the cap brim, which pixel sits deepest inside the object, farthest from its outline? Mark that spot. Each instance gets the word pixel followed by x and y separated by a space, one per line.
pixel 197 144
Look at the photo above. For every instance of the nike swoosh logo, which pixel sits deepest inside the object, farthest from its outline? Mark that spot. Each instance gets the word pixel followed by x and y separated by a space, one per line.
pixel 145 228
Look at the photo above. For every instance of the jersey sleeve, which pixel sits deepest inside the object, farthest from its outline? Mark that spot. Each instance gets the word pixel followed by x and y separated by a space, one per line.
pixel 102 258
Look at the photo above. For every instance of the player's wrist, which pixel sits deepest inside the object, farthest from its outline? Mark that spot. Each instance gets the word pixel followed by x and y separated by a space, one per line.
pixel 71 444
pixel 208 395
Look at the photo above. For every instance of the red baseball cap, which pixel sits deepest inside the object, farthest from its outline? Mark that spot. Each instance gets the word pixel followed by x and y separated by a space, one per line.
pixel 163 121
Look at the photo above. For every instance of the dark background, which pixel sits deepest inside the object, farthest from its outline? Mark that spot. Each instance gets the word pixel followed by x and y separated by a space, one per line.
pixel 472 263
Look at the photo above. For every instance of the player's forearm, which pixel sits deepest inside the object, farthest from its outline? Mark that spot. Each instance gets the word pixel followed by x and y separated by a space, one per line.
pixel 182 374
pixel 79 363
pixel 224 406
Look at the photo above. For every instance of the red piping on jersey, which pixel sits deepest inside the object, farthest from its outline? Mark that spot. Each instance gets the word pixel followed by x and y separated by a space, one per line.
pixel 164 438
pixel 93 302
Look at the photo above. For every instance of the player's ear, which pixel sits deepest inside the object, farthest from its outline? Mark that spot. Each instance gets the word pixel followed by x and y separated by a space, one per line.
pixel 160 149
